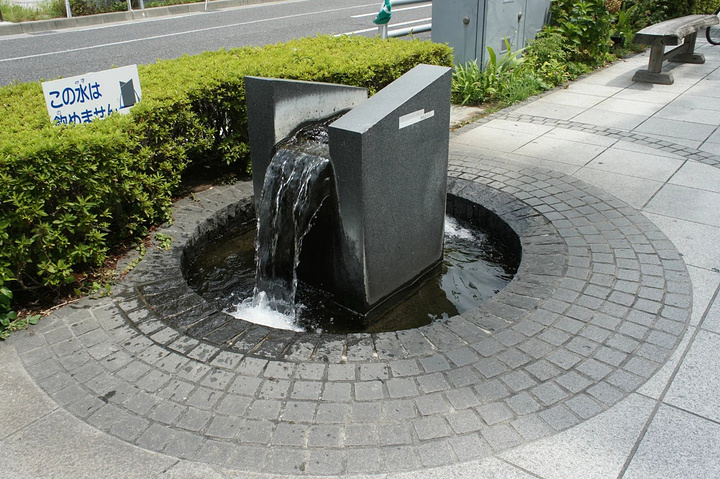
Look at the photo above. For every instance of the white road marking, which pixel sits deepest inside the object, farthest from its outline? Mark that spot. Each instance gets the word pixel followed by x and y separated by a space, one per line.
pixel 167 35
pixel 394 10
pixel 374 29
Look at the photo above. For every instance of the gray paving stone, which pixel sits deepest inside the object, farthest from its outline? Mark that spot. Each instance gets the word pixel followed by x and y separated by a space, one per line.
pixel 325 436
pixel 264 409
pixel 434 363
pixel 360 435
pixel 325 462
pixel 518 380
pixel 368 372
pixel 194 371
pixel 166 412
pixel 431 427
pixel 129 428
pixel 176 390
pixel 697 378
pixel 297 411
pixel 495 413
pixel 184 445
pixel 255 431
pixel 490 391
pixel 559 417
pixel 677 444
pixel 366 412
pixel 431 404
pixel 465 376
pixel 252 458
pixel 399 458
pixel 227 360
pixel 337 392
pixel 469 447
pixel 436 454
pixel 194 419
pixel 563 358
pixel 217 379
pixel 310 371
pixel 400 388
pixel 542 370
pixel 605 393
pixel 465 421
pixel 247 386
pixel 275 389
pixel 501 437
pixel 399 410
pixel 462 356
pixel 368 390
pixel 394 434
pixel 342 372
pixel 364 461
pixel 488 347
pixel 155 437
pixel 430 383
pixel 204 398
pixel 251 366
pixel 462 398
pixel 290 434
pixel 490 367
pixel 333 413
pixel 309 390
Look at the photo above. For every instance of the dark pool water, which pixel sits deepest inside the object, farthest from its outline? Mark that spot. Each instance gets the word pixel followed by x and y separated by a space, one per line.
pixel 476 266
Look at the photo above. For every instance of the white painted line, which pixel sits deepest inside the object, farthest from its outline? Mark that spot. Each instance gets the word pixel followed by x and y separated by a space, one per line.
pixel 375 28
pixel 167 35
pixel 394 10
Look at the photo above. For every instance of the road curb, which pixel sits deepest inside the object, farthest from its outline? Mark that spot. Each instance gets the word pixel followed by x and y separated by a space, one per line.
pixel 8 28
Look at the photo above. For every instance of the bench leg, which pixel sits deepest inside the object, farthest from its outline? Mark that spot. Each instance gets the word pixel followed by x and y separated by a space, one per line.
pixel 654 72
pixel 685 52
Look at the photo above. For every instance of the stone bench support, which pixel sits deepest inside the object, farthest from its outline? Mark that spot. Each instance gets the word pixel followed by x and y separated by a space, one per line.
pixel 678 31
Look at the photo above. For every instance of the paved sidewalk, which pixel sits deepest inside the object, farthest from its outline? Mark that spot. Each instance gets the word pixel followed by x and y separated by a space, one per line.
pixel 598 361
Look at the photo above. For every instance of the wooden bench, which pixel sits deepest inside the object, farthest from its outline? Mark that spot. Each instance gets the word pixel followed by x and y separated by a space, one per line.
pixel 678 31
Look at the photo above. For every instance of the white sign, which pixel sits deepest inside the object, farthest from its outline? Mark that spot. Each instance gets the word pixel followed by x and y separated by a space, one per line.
pixel 84 98
pixel 415 117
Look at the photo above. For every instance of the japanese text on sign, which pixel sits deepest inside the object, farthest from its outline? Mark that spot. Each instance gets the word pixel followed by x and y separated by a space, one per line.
pixel 97 95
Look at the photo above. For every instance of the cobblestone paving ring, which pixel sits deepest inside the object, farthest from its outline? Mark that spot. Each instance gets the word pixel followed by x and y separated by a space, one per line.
pixel 600 301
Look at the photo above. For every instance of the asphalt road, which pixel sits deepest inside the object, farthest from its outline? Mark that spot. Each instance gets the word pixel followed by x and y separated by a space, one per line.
pixel 63 53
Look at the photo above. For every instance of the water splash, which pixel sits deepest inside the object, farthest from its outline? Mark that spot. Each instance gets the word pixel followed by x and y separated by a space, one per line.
pixel 297 182
pixel 257 310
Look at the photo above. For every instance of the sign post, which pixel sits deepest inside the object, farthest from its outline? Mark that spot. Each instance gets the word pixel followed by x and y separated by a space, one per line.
pixel 84 98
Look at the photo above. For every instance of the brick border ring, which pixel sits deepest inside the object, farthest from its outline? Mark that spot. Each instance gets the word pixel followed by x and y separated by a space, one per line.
pixel 599 303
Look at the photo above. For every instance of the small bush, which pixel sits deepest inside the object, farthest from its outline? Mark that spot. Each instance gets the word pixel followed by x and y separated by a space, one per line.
pixel 506 79
pixel 706 6
pixel 549 54
pixel 70 193
pixel 586 26
pixel 18 13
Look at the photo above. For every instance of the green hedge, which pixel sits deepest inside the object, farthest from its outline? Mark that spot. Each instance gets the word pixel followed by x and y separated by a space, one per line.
pixel 70 193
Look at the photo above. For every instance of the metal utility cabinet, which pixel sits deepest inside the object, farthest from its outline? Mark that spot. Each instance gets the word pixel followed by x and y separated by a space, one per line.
pixel 469 26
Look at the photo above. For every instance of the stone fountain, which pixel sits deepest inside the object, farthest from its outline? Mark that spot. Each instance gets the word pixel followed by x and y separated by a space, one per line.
pixel 377 225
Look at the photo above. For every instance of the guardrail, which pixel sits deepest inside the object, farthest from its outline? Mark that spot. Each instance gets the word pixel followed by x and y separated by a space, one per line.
pixel 400 32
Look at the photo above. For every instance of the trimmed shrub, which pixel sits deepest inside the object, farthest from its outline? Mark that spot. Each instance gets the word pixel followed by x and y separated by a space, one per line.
pixel 68 194
pixel 706 6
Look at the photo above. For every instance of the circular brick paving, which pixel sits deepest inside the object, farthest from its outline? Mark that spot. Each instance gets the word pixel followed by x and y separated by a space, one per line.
pixel 598 305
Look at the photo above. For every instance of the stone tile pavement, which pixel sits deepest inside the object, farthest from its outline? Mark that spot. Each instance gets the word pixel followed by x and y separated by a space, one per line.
pixel 598 360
